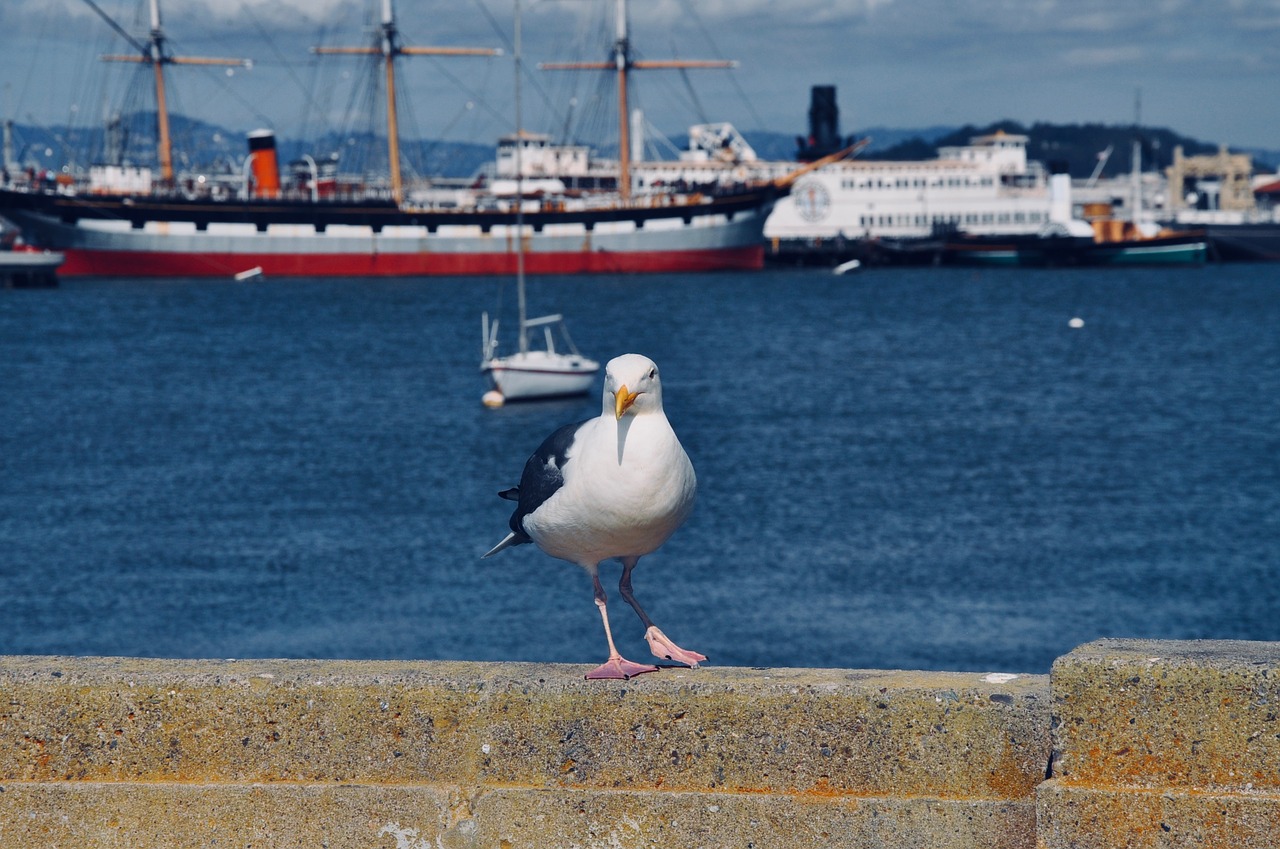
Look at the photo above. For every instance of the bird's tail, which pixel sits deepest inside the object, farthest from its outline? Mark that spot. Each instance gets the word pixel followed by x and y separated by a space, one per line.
pixel 510 540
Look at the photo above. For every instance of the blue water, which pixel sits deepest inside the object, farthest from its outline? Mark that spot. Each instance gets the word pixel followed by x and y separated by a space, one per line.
pixel 913 468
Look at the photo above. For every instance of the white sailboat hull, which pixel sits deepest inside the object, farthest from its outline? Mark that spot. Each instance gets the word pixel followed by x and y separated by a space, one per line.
pixel 539 374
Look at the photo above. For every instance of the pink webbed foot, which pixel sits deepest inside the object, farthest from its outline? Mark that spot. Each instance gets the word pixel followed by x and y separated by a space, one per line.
pixel 661 646
pixel 619 668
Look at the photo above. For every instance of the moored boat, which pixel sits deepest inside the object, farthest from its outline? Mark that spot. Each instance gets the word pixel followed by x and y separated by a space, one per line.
pixel 1043 250
pixel 529 374
pixel 24 267
pixel 175 236
pixel 173 231
pixel 532 373
pixel 1096 239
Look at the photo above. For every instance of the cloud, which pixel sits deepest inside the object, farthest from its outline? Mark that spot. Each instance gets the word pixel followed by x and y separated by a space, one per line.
pixel 1105 57
pixel 895 62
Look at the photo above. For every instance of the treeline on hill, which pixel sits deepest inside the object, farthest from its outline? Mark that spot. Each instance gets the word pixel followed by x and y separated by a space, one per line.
pixel 201 145
pixel 1078 146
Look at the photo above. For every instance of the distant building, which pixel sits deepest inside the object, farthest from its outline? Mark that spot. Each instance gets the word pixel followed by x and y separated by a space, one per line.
pixel 1219 181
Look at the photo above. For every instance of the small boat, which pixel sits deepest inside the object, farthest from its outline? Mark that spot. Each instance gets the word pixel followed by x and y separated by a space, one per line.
pixel 25 267
pixel 530 374
pixel 848 267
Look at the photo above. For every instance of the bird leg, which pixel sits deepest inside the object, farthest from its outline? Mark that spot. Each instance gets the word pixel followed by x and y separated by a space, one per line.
pixel 616 667
pixel 659 644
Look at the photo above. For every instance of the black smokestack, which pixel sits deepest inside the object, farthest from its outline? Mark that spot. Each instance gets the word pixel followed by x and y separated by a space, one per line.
pixel 824 125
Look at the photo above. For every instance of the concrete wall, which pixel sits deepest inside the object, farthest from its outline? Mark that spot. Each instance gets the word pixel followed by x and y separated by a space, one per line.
pixel 1164 744
pixel 1154 744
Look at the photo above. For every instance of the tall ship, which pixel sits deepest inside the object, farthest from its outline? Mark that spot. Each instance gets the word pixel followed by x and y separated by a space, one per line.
pixel 136 222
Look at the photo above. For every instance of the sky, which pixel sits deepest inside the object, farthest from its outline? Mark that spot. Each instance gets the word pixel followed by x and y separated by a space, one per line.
pixel 1208 69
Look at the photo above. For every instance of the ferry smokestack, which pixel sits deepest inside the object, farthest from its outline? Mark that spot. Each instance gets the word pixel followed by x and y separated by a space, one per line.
pixel 263 161
pixel 824 125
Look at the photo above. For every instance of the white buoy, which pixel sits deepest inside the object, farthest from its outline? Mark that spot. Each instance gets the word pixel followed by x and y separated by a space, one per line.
pixel 1076 323
pixel 249 273
pixel 493 399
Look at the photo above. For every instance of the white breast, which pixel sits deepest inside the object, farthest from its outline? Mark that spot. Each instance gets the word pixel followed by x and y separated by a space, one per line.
pixel 617 503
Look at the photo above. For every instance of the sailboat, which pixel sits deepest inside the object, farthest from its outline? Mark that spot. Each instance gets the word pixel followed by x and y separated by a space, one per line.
pixel 530 374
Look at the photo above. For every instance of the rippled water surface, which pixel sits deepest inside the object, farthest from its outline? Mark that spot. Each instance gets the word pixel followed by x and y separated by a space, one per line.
pixel 913 468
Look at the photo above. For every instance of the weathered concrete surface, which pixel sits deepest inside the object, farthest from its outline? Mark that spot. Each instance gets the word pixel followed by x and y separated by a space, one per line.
pixel 141 753
pixel 1108 818
pixel 1164 744
pixel 175 816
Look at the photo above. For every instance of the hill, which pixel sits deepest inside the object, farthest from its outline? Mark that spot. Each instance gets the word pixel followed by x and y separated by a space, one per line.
pixel 1080 147
pixel 199 145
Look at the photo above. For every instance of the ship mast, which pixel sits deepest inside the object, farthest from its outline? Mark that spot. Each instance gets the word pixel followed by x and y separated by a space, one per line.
pixel 389 47
pixel 623 64
pixel 521 302
pixel 155 54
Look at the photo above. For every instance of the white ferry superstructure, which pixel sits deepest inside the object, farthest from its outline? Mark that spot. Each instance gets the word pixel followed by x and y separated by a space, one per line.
pixel 987 187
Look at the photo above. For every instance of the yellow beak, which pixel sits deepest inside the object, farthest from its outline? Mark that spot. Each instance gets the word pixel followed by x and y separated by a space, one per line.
pixel 623 399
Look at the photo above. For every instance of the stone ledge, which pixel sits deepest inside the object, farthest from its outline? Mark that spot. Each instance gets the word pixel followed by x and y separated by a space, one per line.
pixel 1156 744
pixel 117 752
pixel 823 733
pixel 1200 714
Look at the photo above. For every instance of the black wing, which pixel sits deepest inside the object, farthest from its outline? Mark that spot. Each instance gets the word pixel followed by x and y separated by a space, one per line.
pixel 543 475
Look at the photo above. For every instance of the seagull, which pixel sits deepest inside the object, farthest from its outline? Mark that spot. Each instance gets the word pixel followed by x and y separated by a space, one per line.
pixel 615 486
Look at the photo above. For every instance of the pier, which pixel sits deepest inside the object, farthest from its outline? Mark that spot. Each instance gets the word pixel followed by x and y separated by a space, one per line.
pixel 1126 743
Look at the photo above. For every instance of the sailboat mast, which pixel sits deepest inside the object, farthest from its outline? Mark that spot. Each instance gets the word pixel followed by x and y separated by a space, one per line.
pixel 520 298
pixel 164 145
pixel 154 54
pixel 622 64
pixel 1136 177
pixel 389 48
pixel 622 61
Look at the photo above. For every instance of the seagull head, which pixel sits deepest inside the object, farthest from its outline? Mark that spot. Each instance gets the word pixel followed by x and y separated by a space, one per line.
pixel 631 386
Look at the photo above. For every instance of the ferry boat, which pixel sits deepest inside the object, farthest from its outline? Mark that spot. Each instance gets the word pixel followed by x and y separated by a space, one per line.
pixel 850 207
pixel 161 227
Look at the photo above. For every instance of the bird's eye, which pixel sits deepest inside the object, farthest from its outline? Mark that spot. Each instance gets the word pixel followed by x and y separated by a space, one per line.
pixel 653 372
